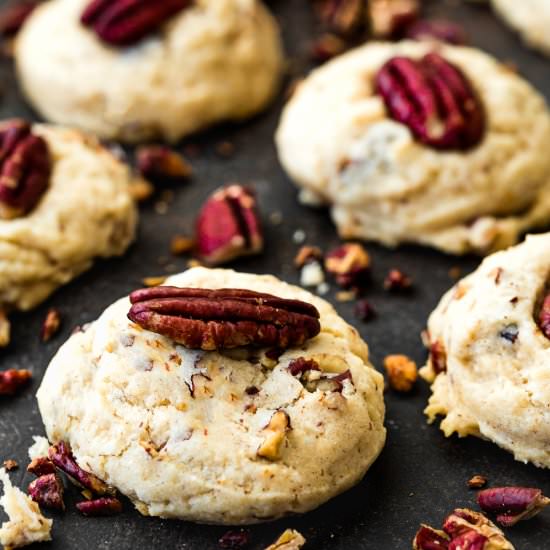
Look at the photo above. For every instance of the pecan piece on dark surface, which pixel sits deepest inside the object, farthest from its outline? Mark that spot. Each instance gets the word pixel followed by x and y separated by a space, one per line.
pixel 234 540
pixel 125 22
pixel 12 380
pixel 350 265
pixel 396 280
pixel 437 30
pixel 62 457
pixel 228 226
pixel 14 15
pixel 544 316
pixel 51 325
pixel 104 506
pixel 25 168
pixel 162 164
pixel 434 99
pixel 222 319
pixel 47 490
pixel 512 504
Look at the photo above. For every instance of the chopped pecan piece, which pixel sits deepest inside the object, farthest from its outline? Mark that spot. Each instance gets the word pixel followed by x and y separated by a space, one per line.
pixel 428 538
pixel 12 380
pixel 301 364
pixel 181 245
pixel 389 18
pixel 396 280
pixel 5 329
pixel 364 310
pixel 350 265
pixel 234 540
pixel 439 30
pixel 25 168
pixel 434 99
pixel 438 357
pixel 544 316
pixel 289 540
pixel 51 325
pixel 47 490
pixel 162 164
pixel 275 433
pixel 14 15
pixel 222 319
pixel 307 254
pixel 10 465
pixel 104 506
pixel 41 466
pixel 512 504
pixel 125 22
pixel 228 226
pixel 477 482
pixel 62 457
pixel 402 372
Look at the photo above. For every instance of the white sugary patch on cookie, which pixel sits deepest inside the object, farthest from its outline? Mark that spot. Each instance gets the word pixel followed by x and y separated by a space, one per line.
pixel 26 523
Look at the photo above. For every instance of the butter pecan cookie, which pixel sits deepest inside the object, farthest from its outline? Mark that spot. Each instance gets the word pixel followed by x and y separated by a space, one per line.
pixel 444 147
pixel 531 18
pixel 152 69
pixel 64 200
pixel 221 398
pixel 489 341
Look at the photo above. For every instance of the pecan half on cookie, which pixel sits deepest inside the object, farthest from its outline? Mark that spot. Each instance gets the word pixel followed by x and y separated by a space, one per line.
pixel 221 319
pixel 25 168
pixel 434 99
pixel 125 22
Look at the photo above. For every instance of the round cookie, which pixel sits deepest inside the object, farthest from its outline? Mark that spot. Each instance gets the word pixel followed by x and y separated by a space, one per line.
pixel 86 212
pixel 179 431
pixel 216 60
pixel 337 141
pixel 489 356
pixel 531 18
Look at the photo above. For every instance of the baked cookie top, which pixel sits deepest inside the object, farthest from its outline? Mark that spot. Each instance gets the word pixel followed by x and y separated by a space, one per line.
pixel 490 355
pixel 219 437
pixel 531 18
pixel 337 140
pixel 215 60
pixel 86 212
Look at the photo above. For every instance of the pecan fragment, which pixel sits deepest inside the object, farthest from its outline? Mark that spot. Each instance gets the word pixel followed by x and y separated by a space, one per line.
pixel 51 325
pixel 10 465
pixel 104 506
pixel 125 22
pixel 234 540
pixel 25 168
pixel 275 433
pixel 402 372
pixel 228 226
pixel 397 280
pixel 41 466
pixel 180 244
pixel 437 30
pixel 544 316
pixel 346 17
pixel 5 329
pixel 47 490
pixel 162 164
pixel 62 457
pixel 289 540
pixel 477 482
pixel 301 364
pixel 14 15
pixel 438 357
pixel 428 538
pixel 307 254
pixel 364 310
pixel 12 380
pixel 434 99
pixel 222 319
pixel 350 265
pixel 512 504
pixel 389 18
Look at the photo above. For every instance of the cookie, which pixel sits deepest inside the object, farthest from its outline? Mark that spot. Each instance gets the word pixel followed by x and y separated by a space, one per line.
pixel 531 18
pixel 490 356
pixel 228 437
pixel 215 60
pixel 338 142
pixel 86 212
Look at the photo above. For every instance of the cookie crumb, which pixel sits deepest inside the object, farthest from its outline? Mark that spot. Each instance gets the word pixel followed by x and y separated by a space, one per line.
pixel 477 482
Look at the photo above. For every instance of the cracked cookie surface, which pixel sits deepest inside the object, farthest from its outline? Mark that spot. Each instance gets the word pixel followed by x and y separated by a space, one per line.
pixel 216 60
pixel 86 212
pixel 493 379
pixel 212 437
pixel 337 141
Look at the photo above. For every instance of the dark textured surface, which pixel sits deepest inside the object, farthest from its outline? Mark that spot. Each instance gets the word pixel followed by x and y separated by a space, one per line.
pixel 420 475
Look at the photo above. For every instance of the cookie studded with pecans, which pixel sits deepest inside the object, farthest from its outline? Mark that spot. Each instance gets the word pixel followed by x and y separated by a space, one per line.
pixel 434 99
pixel 125 22
pixel 25 168
pixel 211 320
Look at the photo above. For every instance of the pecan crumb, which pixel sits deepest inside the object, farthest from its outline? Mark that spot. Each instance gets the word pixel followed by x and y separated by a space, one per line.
pixel 402 372
pixel 141 190
pixel 104 506
pixel 153 281
pixel 289 540
pixel 180 244
pixel 364 310
pixel 162 164
pixel 346 295
pixel 10 465
pixel 275 433
pixel 47 490
pixel 234 540
pixel 12 380
pixel 477 482
pixel 350 265
pixel 5 329
pixel 41 466
pixel 51 325
pixel 397 280
pixel 307 254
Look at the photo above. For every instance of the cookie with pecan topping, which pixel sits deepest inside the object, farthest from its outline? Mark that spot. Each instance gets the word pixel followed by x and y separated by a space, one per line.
pixel 163 406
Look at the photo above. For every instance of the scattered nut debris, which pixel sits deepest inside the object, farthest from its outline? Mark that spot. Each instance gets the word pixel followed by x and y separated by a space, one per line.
pixel 47 490
pixel 402 372
pixel 41 466
pixel 512 504
pixel 180 244
pixel 396 280
pixel 477 482
pixel 275 433
pixel 364 310
pixel 234 540
pixel 161 164
pixel 104 506
pixel 51 325
pixel 12 380
pixel 5 329
pixel 346 295
pixel 307 254
pixel 289 540
pixel 225 149
pixel 350 265
pixel 154 281
pixel 10 465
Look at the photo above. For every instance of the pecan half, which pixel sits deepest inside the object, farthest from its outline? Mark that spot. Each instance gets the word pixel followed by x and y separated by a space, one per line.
pixel 47 490
pixel 228 226
pixel 544 316
pixel 25 168
pixel 434 99
pixel 125 22
pixel 104 506
pixel 12 380
pixel 221 319
pixel 512 504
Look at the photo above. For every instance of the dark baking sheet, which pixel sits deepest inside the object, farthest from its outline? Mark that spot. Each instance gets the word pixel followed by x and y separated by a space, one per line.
pixel 420 476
